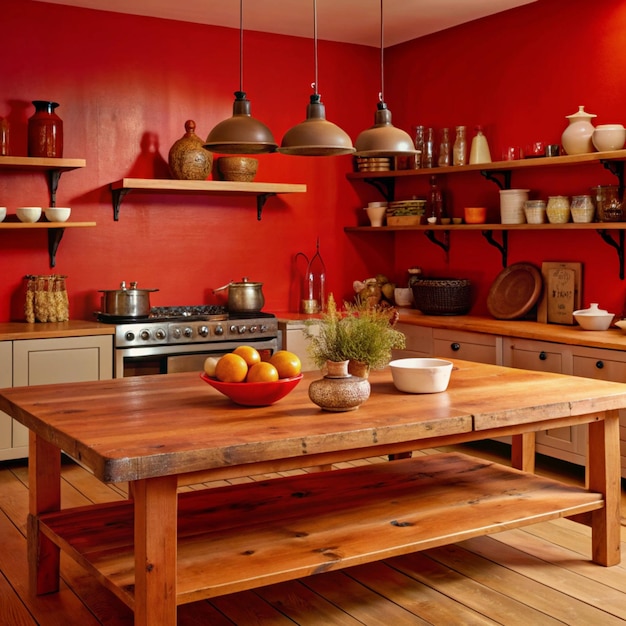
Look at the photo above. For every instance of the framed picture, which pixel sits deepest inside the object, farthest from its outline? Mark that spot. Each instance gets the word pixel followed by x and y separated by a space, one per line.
pixel 562 292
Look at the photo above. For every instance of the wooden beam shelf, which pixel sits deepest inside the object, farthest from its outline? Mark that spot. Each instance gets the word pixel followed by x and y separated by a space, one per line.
pixel 262 191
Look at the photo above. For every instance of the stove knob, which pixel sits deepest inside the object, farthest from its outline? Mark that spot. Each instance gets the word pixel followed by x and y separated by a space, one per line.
pixel 241 330
pixel 129 336
pixel 188 332
pixel 145 334
pixel 176 333
pixel 203 331
pixel 219 330
pixel 264 328
pixel 252 329
pixel 159 334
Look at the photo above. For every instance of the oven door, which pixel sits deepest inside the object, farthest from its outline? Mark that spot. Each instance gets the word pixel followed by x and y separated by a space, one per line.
pixel 171 359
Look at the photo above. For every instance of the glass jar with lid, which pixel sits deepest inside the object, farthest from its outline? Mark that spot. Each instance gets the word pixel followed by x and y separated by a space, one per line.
pixel 558 209
pixel 608 203
pixel 583 209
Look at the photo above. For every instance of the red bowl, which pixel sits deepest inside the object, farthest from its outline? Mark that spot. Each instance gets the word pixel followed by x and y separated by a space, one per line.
pixel 254 394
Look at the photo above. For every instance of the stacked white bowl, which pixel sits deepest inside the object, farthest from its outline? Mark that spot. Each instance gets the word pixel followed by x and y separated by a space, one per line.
pixel 512 205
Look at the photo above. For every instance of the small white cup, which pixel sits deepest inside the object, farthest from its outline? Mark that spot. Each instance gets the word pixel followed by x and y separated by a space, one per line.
pixel 376 214
pixel 403 296
pixel 3 213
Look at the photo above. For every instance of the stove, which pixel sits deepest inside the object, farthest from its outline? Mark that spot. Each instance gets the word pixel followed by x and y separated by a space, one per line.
pixel 179 338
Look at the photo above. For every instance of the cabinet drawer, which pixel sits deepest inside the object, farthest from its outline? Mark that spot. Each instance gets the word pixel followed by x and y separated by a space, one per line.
pixel 599 368
pixel 534 355
pixel 418 338
pixel 466 345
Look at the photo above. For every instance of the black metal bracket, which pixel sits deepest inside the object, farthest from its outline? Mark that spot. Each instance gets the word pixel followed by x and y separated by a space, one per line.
pixel 118 195
pixel 618 245
pixel 617 169
pixel 54 239
pixel 494 176
pixel 503 247
pixel 386 186
pixel 443 243
pixel 261 199
pixel 53 184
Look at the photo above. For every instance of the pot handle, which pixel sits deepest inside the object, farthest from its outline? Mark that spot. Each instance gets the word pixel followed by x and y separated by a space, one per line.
pixel 226 286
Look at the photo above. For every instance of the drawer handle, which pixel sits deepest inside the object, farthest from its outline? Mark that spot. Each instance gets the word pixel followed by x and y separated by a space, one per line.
pixel 542 356
pixel 599 364
pixel 455 347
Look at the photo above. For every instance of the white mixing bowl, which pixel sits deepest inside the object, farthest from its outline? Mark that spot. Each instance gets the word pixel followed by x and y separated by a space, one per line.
pixel 416 375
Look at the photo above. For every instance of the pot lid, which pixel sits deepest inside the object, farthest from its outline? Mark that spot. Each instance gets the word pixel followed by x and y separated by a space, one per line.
pixel 592 310
pixel 580 115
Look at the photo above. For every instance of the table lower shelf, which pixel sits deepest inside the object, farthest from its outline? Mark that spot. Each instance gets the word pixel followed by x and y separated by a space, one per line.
pixel 254 534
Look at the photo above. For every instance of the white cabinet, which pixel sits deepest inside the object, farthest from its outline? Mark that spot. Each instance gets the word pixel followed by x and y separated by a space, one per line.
pixel 294 340
pixel 45 361
pixel 419 341
pixel 567 443
pixel 469 346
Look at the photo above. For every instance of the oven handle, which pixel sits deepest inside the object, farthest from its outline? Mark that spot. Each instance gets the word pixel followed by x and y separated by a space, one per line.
pixel 194 348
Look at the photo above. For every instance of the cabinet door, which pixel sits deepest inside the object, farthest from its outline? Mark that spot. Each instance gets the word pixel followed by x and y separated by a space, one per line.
pixel 419 341
pixel 295 341
pixel 604 365
pixel 13 436
pixel 567 443
pixel 467 345
pixel 66 360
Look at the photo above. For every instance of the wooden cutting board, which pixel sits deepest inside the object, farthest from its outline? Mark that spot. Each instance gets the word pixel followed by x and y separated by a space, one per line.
pixel 562 292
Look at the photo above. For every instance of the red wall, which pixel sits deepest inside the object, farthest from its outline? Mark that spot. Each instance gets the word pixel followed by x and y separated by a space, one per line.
pixel 119 77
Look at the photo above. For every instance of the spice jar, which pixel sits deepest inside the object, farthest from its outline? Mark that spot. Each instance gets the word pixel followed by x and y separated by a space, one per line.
pixel 558 209
pixel 608 203
pixel 582 209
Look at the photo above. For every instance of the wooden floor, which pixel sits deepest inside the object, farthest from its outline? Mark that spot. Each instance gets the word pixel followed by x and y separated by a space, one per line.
pixel 536 576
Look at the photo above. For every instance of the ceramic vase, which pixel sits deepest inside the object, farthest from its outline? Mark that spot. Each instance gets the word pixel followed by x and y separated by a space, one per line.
pixel 45 131
pixel 339 391
pixel 577 137
pixel 187 158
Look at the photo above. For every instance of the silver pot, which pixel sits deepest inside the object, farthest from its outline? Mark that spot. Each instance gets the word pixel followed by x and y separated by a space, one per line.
pixel 244 297
pixel 124 302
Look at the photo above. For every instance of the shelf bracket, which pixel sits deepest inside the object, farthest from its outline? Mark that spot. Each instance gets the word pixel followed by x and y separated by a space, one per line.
pixel 617 169
pixel 500 178
pixel 443 243
pixel 503 247
pixel 54 239
pixel 53 184
pixel 118 195
pixel 386 187
pixel 618 245
pixel 261 199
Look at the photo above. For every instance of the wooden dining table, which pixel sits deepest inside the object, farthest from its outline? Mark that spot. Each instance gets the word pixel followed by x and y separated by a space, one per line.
pixel 166 546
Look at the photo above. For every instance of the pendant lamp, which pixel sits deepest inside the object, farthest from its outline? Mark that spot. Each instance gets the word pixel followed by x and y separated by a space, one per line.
pixel 383 139
pixel 241 133
pixel 316 136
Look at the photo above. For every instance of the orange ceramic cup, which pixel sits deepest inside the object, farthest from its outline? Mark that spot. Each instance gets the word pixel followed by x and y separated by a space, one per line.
pixel 475 214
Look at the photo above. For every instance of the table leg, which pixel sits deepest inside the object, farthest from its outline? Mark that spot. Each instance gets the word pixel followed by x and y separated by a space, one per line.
pixel 156 508
pixel 603 475
pixel 523 452
pixel 44 496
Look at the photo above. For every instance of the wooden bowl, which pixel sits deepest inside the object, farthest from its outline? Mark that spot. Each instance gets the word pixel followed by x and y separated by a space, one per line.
pixel 237 168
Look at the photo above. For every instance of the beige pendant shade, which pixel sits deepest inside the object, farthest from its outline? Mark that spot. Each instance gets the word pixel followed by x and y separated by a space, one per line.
pixel 384 139
pixel 316 136
pixel 241 133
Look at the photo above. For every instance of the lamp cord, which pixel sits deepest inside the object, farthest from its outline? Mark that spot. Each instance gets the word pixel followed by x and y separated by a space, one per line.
pixel 241 45
pixel 381 95
pixel 314 85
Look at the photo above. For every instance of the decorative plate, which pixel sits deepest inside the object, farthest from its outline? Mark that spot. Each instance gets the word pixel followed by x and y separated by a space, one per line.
pixel 515 291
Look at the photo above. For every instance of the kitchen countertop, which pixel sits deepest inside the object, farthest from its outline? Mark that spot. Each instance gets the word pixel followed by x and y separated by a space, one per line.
pixel 613 339
pixel 73 328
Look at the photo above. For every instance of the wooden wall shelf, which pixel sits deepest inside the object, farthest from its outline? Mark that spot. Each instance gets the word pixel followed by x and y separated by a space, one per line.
pixel 262 191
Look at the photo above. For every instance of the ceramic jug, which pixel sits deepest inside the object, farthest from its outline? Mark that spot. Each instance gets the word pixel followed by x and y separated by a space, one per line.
pixel 576 138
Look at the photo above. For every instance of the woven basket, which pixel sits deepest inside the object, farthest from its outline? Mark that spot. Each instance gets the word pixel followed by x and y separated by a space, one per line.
pixel 442 296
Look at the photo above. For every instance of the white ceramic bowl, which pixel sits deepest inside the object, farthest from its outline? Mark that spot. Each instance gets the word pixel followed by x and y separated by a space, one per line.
pixel 421 375
pixel 593 318
pixel 57 214
pixel 3 213
pixel 28 214
pixel 608 137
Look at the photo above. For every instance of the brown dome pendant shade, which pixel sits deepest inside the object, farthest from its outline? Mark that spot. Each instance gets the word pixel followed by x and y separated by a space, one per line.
pixel 383 139
pixel 316 136
pixel 241 133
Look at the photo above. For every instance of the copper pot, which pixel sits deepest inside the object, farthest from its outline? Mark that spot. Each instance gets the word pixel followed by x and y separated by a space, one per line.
pixel 244 296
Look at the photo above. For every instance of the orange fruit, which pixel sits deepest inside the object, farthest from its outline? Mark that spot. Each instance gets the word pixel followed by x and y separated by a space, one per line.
pixel 248 354
pixel 262 372
pixel 231 368
pixel 286 363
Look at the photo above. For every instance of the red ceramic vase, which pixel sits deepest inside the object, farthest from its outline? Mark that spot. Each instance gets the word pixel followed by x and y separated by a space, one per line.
pixel 45 131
